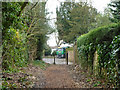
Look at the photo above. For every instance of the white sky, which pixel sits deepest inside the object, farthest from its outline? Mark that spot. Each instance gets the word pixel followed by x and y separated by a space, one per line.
pixel 51 7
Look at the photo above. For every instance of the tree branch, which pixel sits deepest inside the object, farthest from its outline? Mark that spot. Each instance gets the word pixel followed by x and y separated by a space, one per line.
pixel 22 7
pixel 34 5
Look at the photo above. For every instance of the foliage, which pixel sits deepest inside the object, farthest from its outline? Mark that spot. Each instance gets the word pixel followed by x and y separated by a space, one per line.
pixel 74 19
pixel 7 85
pixel 115 9
pixel 98 35
pixel 63 14
pixel 105 41
pixel 24 33
pixel 110 52
pixel 14 36
pixel 102 19
pixel 38 29
pixel 47 50
pixel 11 13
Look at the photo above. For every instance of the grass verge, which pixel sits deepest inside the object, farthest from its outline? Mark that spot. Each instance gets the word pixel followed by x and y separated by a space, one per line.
pixel 41 64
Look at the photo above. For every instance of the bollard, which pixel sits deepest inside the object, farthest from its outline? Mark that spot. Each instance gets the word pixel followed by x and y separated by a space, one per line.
pixel 54 59
pixel 67 58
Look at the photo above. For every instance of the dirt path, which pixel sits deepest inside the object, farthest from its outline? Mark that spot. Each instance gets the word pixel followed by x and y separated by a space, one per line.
pixel 58 76
pixel 63 76
pixel 55 76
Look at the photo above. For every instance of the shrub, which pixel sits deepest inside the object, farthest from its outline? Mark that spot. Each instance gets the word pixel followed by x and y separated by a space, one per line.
pixel 47 51
pixel 104 40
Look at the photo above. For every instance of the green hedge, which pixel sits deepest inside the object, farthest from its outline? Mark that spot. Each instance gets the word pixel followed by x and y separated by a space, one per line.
pixel 99 35
pixel 106 41
pixel 15 50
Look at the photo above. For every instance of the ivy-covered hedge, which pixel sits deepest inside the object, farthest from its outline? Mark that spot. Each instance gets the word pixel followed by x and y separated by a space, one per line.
pixel 106 41
pixel 15 52
pixel 14 37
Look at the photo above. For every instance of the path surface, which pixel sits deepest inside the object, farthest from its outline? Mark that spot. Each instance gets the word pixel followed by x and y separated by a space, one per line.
pixel 55 76
pixel 65 76
pixel 58 76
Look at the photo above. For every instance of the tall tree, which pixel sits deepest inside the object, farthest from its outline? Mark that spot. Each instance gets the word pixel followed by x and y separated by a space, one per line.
pixel 74 19
pixel 38 29
pixel 102 19
pixel 63 14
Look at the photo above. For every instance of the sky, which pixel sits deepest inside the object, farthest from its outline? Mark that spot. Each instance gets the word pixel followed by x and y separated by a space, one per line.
pixel 51 7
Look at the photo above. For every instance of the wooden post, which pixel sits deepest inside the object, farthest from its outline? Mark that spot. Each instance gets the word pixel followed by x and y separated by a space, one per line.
pixel 67 58
pixel 54 59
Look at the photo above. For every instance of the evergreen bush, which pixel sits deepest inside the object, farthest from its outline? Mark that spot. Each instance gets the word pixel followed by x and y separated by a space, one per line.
pixel 106 41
